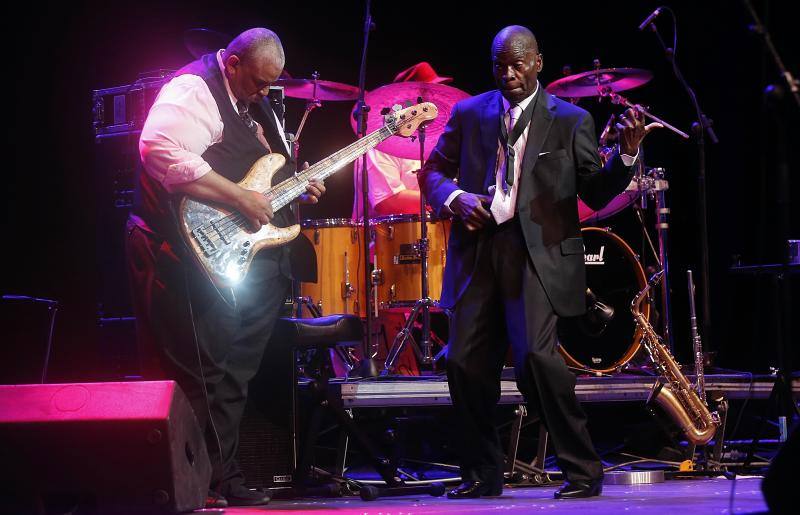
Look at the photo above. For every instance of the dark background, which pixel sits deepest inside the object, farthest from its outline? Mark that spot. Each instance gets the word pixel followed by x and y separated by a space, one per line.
pixel 58 53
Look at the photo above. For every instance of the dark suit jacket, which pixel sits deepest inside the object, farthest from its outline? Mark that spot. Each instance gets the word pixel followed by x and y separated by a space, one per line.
pixel 548 188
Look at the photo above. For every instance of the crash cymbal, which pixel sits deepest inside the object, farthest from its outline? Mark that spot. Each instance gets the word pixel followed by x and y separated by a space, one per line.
pixel 587 84
pixel 200 42
pixel 405 94
pixel 325 90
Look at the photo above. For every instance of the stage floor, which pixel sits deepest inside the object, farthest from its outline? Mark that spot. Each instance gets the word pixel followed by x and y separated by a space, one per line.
pixel 684 496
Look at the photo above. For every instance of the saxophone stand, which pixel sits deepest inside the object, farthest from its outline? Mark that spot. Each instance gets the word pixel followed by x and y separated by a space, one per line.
pixel 422 305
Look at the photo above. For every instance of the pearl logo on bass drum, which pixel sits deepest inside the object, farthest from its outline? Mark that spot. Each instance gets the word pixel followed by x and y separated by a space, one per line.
pixel 595 259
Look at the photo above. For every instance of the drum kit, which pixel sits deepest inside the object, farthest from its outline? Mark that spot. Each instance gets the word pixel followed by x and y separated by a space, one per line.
pixel 601 342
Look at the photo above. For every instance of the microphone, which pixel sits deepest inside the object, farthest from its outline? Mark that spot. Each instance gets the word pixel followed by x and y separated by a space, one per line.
pixel 647 21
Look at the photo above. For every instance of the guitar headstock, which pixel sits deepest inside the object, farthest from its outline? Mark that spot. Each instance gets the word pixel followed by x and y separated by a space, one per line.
pixel 406 121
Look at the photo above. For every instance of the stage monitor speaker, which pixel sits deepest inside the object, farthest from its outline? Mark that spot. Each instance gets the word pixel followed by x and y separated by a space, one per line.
pixel 131 447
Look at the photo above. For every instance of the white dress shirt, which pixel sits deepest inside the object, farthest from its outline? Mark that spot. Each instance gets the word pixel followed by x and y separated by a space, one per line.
pixel 505 199
pixel 182 123
pixel 386 175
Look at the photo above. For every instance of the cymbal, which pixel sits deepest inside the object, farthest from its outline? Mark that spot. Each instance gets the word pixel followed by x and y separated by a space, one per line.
pixel 407 93
pixel 200 42
pixel 325 90
pixel 586 84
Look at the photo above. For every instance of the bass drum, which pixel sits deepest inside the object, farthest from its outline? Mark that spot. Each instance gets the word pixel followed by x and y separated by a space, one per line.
pixel 602 340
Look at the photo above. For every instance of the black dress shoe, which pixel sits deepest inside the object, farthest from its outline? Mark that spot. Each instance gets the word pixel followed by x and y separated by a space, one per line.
pixel 215 500
pixel 246 497
pixel 579 489
pixel 474 489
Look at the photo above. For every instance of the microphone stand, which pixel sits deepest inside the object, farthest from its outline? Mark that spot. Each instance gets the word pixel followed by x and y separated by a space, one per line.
pixel 701 128
pixel 758 28
pixel 368 367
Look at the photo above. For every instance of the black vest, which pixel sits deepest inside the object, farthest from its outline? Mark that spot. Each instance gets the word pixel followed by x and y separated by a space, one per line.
pixel 232 158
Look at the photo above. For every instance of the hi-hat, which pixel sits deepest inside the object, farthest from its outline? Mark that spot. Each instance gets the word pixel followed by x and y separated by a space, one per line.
pixel 309 89
pixel 589 84
pixel 406 94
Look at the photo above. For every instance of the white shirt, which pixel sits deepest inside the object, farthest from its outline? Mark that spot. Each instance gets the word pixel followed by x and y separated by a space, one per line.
pixel 504 202
pixel 386 176
pixel 182 123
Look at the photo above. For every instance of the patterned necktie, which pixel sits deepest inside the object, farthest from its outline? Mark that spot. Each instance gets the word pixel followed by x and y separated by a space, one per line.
pixel 513 115
pixel 245 116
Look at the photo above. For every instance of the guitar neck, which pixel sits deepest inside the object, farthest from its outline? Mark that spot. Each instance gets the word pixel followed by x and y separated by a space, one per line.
pixel 285 192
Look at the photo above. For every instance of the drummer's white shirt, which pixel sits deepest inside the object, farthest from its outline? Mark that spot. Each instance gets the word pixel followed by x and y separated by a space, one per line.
pixel 182 123
pixel 387 175
pixel 504 202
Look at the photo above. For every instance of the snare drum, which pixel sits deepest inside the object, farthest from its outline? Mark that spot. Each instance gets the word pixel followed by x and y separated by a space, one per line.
pixel 397 251
pixel 339 286
pixel 614 276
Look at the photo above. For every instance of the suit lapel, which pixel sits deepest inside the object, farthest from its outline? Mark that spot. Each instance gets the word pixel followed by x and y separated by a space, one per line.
pixel 543 114
pixel 490 136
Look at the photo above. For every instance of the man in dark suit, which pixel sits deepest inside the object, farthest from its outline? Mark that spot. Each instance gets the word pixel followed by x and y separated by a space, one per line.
pixel 515 256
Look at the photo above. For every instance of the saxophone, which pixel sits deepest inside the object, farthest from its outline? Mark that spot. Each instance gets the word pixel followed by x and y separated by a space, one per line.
pixel 675 396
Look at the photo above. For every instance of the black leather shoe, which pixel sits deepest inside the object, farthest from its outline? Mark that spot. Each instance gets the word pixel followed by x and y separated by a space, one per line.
pixel 215 500
pixel 579 489
pixel 245 497
pixel 474 489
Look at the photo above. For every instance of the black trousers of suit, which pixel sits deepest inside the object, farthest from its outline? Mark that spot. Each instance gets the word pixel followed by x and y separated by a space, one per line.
pixel 174 302
pixel 506 303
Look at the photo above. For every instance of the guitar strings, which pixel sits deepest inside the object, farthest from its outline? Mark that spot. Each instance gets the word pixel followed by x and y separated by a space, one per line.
pixel 288 191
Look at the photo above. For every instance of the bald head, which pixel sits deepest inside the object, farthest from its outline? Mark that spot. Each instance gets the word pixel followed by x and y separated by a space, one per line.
pixel 253 61
pixel 517 37
pixel 257 43
pixel 516 62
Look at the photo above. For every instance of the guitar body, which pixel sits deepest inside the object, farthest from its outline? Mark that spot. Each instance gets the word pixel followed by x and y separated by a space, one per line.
pixel 223 249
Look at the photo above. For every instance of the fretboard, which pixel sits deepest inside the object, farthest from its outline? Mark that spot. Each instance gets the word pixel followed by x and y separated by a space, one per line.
pixel 285 192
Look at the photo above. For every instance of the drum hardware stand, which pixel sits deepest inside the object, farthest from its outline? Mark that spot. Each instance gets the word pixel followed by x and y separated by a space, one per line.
pixel 425 303
pixel 312 104
pixel 533 472
pixel 314 309
pixel 659 188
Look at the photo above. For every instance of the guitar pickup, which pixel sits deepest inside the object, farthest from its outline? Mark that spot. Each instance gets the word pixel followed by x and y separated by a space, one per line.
pixel 221 233
pixel 204 241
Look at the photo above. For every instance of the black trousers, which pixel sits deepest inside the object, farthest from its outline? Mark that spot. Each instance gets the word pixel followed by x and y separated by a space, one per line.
pixel 187 332
pixel 506 303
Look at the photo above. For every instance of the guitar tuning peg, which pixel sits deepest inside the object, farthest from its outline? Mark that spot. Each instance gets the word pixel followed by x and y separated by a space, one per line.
pixel 396 107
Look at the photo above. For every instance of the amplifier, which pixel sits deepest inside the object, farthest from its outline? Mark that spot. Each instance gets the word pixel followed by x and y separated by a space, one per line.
pixel 123 109
pixel 267 451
